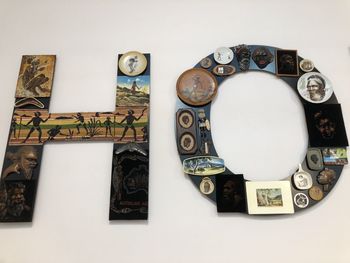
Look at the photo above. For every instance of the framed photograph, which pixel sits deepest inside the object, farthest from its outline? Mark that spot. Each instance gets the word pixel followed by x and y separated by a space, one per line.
pixel 230 193
pixel 287 63
pixel 325 125
pixel 274 197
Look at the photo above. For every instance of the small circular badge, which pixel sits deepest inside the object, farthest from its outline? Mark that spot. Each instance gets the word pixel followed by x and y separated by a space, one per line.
pixel 301 200
pixel 206 186
pixel 223 55
pixel 187 142
pixel 306 65
pixel 186 119
pixel 315 87
pixel 196 87
pixel 132 63
pixel 206 63
pixel 316 193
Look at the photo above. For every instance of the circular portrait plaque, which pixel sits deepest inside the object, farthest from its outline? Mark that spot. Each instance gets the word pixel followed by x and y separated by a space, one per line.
pixel 196 87
pixel 315 87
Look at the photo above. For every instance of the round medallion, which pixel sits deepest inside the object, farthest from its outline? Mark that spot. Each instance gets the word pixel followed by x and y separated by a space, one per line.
pixel 206 63
pixel 196 87
pixel 316 193
pixel 186 119
pixel 301 200
pixel 223 55
pixel 206 186
pixel 314 87
pixel 302 180
pixel 187 142
pixel 306 65
pixel 132 63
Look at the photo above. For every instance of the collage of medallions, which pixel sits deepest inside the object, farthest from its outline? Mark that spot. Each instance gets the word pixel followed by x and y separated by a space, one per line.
pixel 21 167
pixel 326 154
pixel 32 125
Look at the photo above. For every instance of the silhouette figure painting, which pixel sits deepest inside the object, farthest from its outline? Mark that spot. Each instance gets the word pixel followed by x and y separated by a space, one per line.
pixel 80 119
pixel 36 120
pixel 54 132
pixel 107 123
pixel 13 127
pixel 130 118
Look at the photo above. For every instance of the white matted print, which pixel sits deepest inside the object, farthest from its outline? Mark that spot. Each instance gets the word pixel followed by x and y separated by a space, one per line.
pixel 274 197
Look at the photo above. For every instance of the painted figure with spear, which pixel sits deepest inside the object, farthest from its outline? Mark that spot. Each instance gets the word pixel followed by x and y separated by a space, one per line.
pixel 130 118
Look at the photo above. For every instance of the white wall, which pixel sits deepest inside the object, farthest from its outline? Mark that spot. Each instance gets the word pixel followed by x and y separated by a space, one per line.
pixel 71 215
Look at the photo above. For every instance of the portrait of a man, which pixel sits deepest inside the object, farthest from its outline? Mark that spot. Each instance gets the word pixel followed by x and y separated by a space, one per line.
pixel 325 125
pixel 287 63
pixel 326 178
pixel 23 161
pixel 230 193
pixel 315 87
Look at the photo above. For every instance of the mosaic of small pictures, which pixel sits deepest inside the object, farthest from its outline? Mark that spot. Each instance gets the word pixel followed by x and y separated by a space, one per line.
pixel 129 125
pixel 327 153
pixel 21 167
pixel 32 125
